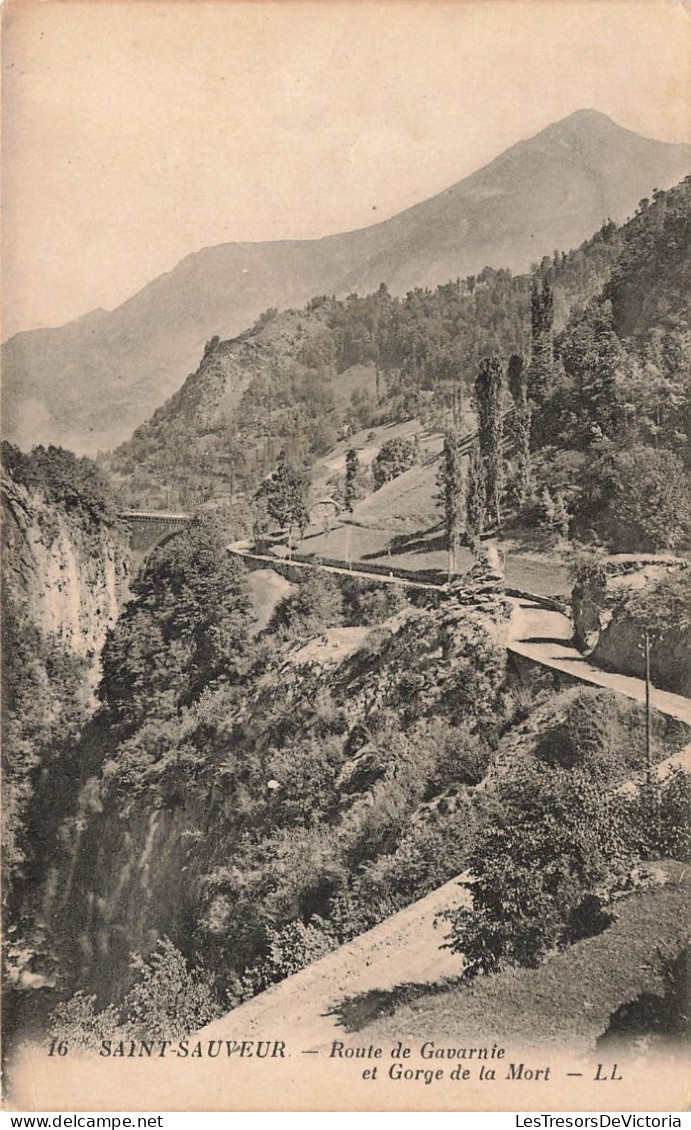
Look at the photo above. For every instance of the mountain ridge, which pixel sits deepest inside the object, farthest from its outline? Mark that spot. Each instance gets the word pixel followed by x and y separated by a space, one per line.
pixel 89 383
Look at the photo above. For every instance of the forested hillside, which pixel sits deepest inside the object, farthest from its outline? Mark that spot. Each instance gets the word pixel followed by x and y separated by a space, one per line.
pixel 295 380
pixel 253 804
pixel 601 332
pixel 238 801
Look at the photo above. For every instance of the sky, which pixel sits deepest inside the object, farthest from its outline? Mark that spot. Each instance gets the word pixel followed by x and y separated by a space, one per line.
pixel 136 132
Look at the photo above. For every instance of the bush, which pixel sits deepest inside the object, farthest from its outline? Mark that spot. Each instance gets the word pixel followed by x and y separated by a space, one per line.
pixel 369 602
pixel 313 606
pixel 81 1026
pixel 604 734
pixel 542 868
pixel 186 626
pixel 291 948
pixel 395 457
pixel 168 1001
pixel 657 818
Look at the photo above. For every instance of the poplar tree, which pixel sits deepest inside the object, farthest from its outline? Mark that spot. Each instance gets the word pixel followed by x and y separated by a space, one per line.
pixel 518 388
pixel 451 483
pixel 488 389
pixel 476 496
pixel 541 369
pixel 352 468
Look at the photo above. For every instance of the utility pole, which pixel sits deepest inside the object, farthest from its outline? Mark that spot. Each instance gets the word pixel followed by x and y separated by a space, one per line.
pixel 648 759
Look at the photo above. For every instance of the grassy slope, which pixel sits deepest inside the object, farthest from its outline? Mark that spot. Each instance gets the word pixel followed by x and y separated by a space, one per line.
pixel 400 524
pixel 568 1000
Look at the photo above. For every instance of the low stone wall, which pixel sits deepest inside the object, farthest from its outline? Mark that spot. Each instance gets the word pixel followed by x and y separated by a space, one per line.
pixel 294 570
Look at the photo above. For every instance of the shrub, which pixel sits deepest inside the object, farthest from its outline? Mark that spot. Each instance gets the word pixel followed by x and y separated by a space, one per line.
pixel 291 948
pixel 541 868
pixel 396 456
pixel 313 606
pixel 657 818
pixel 429 853
pixel 584 738
pixel 73 482
pixel 80 1025
pixel 168 1001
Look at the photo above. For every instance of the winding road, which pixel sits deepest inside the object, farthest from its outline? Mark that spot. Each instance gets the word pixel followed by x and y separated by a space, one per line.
pixel 353 984
pixel 544 636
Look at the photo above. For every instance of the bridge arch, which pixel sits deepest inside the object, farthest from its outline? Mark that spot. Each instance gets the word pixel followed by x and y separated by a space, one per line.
pixel 149 529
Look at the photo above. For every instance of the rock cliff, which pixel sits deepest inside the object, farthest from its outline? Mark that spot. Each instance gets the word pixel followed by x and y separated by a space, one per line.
pixel 608 627
pixel 68 577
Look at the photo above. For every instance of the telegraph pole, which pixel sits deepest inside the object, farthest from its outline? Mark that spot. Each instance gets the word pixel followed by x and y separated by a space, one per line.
pixel 648 758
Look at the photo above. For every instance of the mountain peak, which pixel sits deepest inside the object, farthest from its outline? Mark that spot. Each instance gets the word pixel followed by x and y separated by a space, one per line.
pixel 586 124
pixel 588 116
pixel 593 124
pixel 91 383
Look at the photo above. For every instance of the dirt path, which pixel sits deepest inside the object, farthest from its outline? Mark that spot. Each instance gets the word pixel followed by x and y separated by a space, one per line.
pixel 355 980
pixel 267 588
pixel 402 950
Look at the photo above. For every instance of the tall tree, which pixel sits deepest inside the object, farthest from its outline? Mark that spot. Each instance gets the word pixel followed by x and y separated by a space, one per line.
pixel 451 483
pixel 541 369
pixel 518 387
pixel 592 356
pixel 186 626
pixel 476 496
pixel 488 390
pixel 352 468
pixel 286 493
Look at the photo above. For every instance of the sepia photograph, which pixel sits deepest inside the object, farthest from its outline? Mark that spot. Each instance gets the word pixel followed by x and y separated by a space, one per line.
pixel 346 605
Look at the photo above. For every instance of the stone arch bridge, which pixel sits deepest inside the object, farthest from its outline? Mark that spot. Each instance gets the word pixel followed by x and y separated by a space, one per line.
pixel 149 528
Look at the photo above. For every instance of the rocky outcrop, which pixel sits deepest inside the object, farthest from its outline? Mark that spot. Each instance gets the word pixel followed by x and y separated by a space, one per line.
pixel 605 601
pixel 68 576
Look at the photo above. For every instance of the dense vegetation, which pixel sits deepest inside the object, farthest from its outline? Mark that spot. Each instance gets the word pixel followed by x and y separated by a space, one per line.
pixel 305 800
pixel 603 396
pixel 72 483
pixel 47 693
pixel 185 631
pixel 336 794
pixel 45 702
pixel 308 777
pixel 557 852
pixel 417 355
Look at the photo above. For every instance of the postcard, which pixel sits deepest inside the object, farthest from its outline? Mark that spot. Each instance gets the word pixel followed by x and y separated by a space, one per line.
pixel 346 696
